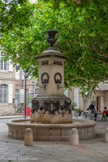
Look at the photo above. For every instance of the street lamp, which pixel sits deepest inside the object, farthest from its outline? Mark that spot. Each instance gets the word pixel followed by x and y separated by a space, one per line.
pixel 33 84
pixel 25 77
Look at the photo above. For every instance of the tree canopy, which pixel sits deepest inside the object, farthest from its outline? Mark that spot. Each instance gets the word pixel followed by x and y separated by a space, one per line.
pixel 83 36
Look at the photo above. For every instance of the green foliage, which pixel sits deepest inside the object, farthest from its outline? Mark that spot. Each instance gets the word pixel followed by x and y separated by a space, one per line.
pixel 82 37
pixel 73 105
pixel 14 14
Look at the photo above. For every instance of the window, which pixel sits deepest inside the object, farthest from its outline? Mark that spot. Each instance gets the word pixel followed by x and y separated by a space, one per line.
pixel 45 62
pixel 27 91
pixel 17 95
pixel 58 62
pixel 36 92
pixel 3 93
pixel 3 64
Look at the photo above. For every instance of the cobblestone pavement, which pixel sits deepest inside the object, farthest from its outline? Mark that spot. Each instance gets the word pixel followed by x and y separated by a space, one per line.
pixel 94 150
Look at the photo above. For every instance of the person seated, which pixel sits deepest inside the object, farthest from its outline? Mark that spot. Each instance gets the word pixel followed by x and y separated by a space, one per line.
pixel 79 111
pixel 104 113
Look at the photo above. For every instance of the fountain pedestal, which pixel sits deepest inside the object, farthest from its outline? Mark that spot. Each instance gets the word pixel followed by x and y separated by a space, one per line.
pixel 51 105
pixel 51 109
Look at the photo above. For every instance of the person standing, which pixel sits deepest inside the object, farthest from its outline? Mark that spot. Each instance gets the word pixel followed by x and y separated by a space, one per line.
pixel 93 112
pixel 92 107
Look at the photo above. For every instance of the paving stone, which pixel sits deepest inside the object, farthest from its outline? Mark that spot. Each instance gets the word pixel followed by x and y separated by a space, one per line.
pixel 94 150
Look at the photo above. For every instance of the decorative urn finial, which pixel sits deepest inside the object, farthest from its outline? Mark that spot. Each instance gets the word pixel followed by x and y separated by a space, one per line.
pixel 51 36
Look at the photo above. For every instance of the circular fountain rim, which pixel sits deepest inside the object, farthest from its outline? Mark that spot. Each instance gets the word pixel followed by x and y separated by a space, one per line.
pixel 84 123
pixel 51 132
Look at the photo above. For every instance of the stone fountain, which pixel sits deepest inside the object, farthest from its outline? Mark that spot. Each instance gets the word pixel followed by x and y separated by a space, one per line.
pixel 51 105
pixel 51 116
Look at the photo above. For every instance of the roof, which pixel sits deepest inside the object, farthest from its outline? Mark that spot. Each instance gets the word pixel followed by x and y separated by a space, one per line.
pixel 51 52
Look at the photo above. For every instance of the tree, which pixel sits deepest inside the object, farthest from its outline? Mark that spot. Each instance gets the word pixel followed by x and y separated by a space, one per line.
pixel 82 37
pixel 14 13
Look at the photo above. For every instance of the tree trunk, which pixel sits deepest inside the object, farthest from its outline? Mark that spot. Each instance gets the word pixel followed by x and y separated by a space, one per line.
pixel 87 99
pixel 85 102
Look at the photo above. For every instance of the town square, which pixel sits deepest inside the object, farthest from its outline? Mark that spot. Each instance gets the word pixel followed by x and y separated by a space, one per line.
pixel 54 80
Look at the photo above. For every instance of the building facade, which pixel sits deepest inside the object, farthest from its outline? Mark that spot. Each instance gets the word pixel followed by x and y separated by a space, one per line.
pixel 12 88
pixel 100 97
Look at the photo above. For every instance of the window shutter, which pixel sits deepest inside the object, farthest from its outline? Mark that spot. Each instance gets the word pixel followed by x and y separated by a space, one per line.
pixel 76 97
pixel 10 66
pixel 10 94
pixel 22 75
pixel 17 74
pixel 21 95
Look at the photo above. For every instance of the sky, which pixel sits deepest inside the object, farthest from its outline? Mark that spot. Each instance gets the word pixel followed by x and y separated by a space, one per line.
pixel 32 1
pixel 7 1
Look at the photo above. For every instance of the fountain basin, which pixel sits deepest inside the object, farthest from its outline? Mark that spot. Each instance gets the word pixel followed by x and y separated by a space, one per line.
pixel 51 132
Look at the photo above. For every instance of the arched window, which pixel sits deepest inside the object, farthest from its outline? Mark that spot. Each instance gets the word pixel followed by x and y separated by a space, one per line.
pixel 3 93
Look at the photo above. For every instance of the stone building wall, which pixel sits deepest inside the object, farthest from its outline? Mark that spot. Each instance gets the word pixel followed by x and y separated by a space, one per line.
pixel 76 97
pixel 13 80
pixel 101 93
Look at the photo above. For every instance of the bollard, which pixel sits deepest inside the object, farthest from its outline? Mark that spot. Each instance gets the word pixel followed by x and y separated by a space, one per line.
pixel 28 139
pixel 74 138
pixel 106 135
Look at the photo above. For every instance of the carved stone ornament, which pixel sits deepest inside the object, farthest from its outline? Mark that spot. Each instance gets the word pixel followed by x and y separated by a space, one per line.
pixel 45 78
pixel 52 107
pixel 57 78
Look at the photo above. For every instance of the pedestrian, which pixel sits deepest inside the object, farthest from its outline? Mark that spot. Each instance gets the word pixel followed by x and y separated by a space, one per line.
pixel 92 110
pixel 95 115
pixel 91 107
